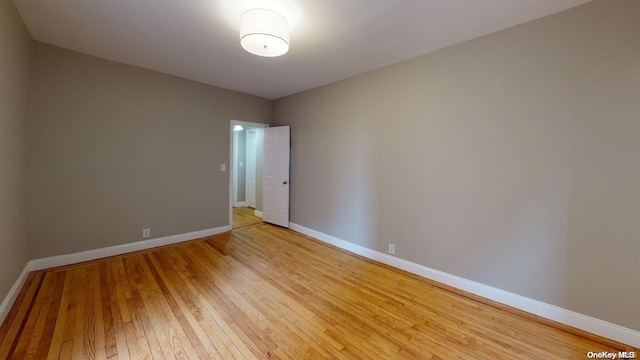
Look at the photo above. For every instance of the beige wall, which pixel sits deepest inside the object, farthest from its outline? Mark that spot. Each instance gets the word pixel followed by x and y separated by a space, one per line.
pixel 511 160
pixel 114 149
pixel 15 57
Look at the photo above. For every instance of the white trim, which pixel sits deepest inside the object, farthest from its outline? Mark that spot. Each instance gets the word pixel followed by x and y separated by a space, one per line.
pixel 241 204
pixel 62 260
pixel 258 213
pixel 551 312
pixel 11 297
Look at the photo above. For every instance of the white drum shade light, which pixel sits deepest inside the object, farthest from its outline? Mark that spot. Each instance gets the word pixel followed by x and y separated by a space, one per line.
pixel 264 32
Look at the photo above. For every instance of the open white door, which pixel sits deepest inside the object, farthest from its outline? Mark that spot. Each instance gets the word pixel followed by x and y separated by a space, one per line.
pixel 276 175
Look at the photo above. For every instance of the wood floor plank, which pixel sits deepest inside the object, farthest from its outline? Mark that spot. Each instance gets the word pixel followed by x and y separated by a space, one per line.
pixel 256 312
pixel 22 344
pixel 149 331
pixel 46 335
pixel 15 315
pixel 122 348
pixel 183 308
pixel 244 216
pixel 40 325
pixel 19 314
pixel 165 318
pixel 264 292
pixel 99 322
pixel 61 319
pixel 80 333
pixel 357 308
pixel 107 315
pixel 300 320
pixel 241 313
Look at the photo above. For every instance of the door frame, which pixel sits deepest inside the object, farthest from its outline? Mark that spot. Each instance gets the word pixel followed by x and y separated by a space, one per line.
pixel 244 124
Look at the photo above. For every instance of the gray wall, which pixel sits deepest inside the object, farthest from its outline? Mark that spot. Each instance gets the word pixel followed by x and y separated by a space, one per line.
pixel 511 159
pixel 114 149
pixel 15 58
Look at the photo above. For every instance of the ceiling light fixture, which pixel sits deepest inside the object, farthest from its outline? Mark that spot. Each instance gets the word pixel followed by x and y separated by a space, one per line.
pixel 264 32
pixel 238 128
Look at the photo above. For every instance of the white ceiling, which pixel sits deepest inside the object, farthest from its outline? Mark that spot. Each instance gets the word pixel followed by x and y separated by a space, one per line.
pixel 330 39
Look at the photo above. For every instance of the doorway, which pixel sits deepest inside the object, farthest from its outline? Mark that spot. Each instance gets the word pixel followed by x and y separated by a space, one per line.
pixel 245 198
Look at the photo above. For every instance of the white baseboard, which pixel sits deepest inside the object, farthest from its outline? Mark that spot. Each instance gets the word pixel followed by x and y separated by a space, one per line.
pixel 551 312
pixel 240 204
pixel 62 260
pixel 11 297
pixel 258 213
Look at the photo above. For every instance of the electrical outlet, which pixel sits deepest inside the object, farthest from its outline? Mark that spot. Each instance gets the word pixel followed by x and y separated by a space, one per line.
pixel 223 167
pixel 146 233
pixel 392 249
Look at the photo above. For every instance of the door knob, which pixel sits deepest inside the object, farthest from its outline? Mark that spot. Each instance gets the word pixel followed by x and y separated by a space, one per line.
pixel 285 182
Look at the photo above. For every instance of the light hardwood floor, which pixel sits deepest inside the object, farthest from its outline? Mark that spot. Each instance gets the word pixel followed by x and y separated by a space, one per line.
pixel 244 216
pixel 264 292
